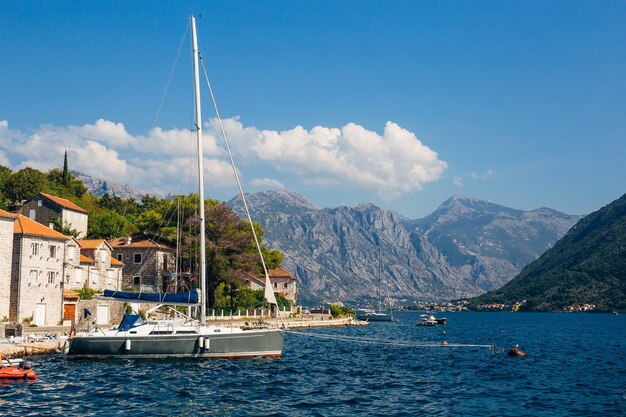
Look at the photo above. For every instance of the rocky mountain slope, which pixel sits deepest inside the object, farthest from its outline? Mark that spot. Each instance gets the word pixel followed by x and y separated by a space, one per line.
pixel 99 186
pixel 465 248
pixel 587 266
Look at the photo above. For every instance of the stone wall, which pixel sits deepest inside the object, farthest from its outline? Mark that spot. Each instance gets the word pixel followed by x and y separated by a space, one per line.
pixel 154 262
pixel 49 210
pixel 30 292
pixel 115 310
pixel 76 220
pixel 6 254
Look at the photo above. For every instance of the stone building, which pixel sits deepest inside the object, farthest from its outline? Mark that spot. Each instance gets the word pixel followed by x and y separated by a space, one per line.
pixel 45 208
pixel 283 282
pixel 37 271
pixel 148 265
pixel 6 255
pixel 99 267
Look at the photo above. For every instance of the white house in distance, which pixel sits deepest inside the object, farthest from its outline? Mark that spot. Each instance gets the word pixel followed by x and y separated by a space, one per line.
pixel 44 208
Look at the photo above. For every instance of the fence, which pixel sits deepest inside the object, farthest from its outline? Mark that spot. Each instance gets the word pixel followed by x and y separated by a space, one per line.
pixel 250 313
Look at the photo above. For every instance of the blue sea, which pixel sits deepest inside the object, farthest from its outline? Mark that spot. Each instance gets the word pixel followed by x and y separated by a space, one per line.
pixel 576 366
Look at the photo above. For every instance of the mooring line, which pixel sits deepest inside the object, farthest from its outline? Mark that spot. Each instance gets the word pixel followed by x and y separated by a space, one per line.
pixel 366 340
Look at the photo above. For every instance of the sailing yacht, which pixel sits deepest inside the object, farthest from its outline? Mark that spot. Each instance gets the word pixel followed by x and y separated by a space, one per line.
pixel 181 336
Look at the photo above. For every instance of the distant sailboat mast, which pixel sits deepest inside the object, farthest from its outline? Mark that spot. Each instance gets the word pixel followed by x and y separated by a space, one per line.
pixel 196 80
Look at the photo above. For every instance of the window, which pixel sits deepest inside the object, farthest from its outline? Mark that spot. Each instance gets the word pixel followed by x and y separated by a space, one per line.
pixel 94 276
pixel 50 277
pixel 137 258
pixel 109 277
pixel 120 257
pixel 34 249
pixel 276 285
pixel 286 285
pixel 31 214
pixel 103 256
pixel 136 281
pixel 53 251
pixel 70 253
pixel 79 275
pixel 34 275
pixel 39 203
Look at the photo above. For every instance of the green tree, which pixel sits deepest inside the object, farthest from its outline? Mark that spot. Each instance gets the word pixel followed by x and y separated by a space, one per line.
pixel 24 184
pixel 66 172
pixel 5 173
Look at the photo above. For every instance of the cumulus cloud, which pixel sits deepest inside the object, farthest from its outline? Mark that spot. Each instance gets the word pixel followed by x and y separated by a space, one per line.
pixel 457 181
pixel 388 164
pixel 266 183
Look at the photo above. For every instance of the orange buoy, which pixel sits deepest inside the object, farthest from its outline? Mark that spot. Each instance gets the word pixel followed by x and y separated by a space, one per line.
pixel 516 351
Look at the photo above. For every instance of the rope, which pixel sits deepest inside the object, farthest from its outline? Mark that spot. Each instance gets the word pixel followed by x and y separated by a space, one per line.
pixel 271 299
pixel 371 341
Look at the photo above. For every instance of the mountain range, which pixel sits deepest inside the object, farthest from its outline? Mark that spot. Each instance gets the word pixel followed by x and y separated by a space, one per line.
pixel 99 187
pixel 464 248
pixel 586 269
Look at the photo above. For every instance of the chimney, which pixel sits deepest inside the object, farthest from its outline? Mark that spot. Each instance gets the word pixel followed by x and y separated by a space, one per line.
pixel 51 225
pixel 127 240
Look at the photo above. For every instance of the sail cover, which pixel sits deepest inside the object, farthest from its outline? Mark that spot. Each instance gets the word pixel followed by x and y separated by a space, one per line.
pixel 179 298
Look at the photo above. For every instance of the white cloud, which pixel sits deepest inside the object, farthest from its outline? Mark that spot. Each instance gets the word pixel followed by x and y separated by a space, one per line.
pixel 484 177
pixel 266 183
pixel 389 164
pixel 457 181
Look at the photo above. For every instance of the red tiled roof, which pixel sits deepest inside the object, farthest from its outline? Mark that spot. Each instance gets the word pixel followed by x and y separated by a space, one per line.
pixel 280 273
pixel 86 259
pixel 90 243
pixel 6 214
pixel 64 203
pixel 116 262
pixel 120 242
pixel 70 294
pixel 25 226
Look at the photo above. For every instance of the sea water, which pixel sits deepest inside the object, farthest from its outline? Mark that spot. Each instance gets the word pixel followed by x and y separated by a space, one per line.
pixel 576 366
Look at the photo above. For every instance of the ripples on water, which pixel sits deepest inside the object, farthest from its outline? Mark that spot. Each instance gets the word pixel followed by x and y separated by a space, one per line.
pixel 576 367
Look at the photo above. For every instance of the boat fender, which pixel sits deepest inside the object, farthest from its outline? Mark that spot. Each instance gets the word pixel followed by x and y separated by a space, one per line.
pixel 127 344
pixel 201 342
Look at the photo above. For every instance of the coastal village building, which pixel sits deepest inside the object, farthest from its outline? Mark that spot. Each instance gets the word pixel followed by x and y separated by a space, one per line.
pixel 101 270
pixel 45 208
pixel 283 282
pixel 37 271
pixel 148 265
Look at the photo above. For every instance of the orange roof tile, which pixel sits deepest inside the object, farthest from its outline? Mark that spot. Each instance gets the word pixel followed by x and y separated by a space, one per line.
pixel 26 226
pixel 86 259
pixel 64 203
pixel 120 242
pixel 280 272
pixel 7 214
pixel 90 243
pixel 116 262
pixel 70 294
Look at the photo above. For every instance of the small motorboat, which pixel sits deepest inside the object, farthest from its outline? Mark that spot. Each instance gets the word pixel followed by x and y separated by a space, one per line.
pixel 16 370
pixel 430 320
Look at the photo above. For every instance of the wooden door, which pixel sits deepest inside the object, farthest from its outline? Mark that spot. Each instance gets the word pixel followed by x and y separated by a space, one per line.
pixel 69 312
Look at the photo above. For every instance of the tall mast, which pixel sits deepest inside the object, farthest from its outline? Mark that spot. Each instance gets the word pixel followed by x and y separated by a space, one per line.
pixel 196 82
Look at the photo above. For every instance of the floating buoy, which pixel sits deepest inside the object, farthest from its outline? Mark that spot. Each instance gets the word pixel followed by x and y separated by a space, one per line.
pixel 444 332
pixel 444 343
pixel 516 351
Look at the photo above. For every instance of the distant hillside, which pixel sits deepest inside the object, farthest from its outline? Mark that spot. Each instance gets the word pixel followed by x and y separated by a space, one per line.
pixel 466 247
pixel 587 266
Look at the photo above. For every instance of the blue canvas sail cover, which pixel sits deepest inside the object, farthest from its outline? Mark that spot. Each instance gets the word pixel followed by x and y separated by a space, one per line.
pixel 177 298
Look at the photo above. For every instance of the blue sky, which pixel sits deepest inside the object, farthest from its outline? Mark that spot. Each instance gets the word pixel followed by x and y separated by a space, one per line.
pixel 402 104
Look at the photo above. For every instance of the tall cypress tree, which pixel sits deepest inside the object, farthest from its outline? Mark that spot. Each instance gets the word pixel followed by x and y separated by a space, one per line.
pixel 66 173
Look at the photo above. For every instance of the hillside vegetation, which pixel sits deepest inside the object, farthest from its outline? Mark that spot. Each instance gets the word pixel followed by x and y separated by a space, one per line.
pixel 586 266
